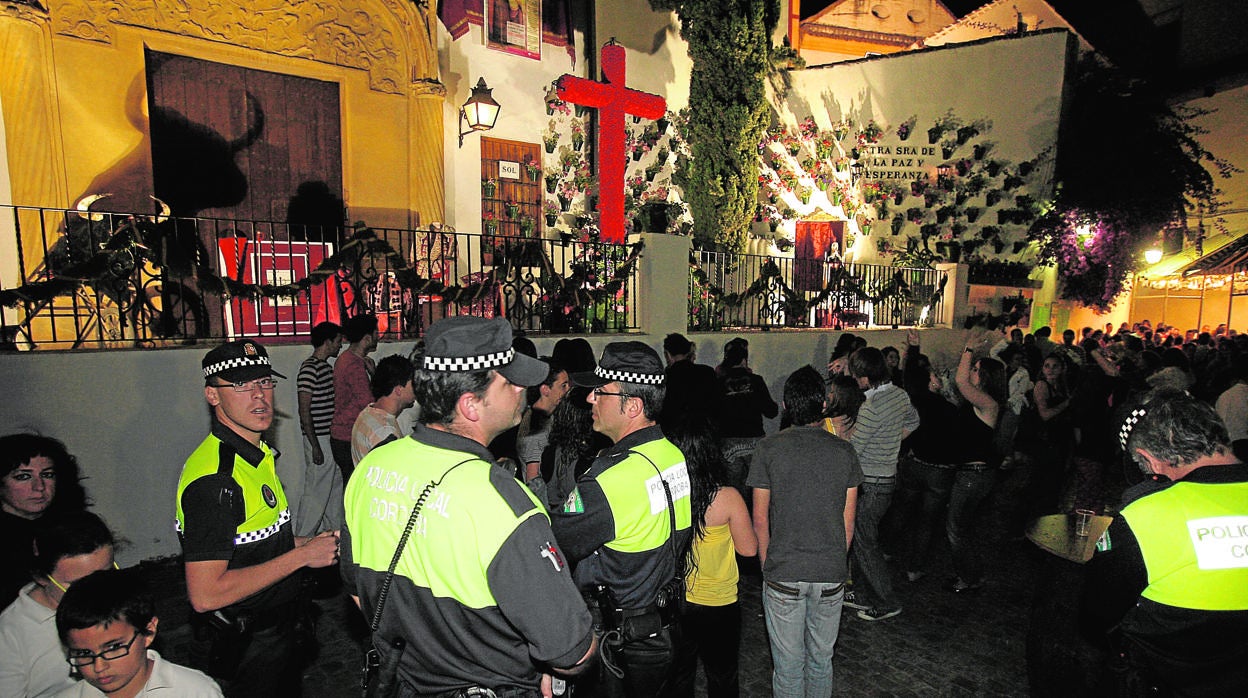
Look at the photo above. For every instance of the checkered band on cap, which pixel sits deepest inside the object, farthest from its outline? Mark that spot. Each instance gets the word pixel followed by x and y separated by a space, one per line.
pixel 1128 424
pixel 629 376
pixel 239 362
pixel 469 363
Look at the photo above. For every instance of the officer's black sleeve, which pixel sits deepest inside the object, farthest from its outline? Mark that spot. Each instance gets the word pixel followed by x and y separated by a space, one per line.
pixel 530 581
pixel 1113 580
pixel 586 525
pixel 212 508
pixel 347 568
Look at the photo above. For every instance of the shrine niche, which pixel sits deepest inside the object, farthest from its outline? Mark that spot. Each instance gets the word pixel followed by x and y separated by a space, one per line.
pixel 819 241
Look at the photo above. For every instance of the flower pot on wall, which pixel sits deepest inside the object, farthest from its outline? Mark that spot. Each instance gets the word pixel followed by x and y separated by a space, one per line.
pixel 551 219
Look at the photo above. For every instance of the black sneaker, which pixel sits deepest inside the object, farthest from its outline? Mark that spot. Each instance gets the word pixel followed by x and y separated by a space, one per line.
pixel 873 614
pixel 851 600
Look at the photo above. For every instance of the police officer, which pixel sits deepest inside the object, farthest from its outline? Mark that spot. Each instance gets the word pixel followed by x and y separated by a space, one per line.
pixel 627 523
pixel 1171 572
pixel 481 601
pixel 234 524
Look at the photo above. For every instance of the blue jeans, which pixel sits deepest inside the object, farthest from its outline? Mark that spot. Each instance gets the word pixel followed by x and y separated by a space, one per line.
pixel 922 495
pixel 872 578
pixel 803 620
pixel 971 487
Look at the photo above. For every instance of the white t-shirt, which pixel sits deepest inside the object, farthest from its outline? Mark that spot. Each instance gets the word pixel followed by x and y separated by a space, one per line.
pixel 32 663
pixel 167 679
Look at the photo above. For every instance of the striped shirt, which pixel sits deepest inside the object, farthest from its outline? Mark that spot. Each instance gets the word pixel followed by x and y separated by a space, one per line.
pixel 883 420
pixel 317 377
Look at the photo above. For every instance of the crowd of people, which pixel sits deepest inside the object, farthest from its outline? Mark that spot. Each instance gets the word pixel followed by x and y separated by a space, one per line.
pixel 573 524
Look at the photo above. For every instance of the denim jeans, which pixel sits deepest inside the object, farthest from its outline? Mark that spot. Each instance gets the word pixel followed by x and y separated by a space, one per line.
pixel 971 487
pixel 803 620
pixel 872 578
pixel 922 495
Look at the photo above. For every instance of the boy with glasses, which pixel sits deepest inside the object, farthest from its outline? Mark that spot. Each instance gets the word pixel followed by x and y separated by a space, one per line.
pixel 107 625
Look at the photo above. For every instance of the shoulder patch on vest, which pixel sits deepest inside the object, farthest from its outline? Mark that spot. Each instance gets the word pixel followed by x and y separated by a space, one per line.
pixel 550 552
pixel 270 497
pixel 574 504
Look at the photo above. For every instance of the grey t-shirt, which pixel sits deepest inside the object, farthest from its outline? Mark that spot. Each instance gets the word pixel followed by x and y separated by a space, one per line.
pixel 807 471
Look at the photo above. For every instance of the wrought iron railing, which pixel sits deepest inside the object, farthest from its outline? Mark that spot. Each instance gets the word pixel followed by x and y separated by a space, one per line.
pixel 741 290
pixel 112 280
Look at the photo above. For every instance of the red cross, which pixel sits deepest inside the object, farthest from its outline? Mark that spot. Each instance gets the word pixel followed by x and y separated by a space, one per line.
pixel 612 100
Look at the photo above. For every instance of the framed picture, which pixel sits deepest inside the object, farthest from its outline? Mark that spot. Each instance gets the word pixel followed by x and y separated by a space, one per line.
pixel 276 262
pixel 514 26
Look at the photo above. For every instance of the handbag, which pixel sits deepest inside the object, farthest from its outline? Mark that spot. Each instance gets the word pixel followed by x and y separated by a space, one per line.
pixel 380 675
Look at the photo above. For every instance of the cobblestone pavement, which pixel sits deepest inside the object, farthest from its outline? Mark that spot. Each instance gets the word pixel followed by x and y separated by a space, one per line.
pixel 943 644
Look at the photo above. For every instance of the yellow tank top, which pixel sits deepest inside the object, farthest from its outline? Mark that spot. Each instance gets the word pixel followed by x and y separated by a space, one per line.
pixel 713 581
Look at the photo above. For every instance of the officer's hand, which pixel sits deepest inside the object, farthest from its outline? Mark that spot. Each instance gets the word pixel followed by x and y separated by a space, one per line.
pixel 547 690
pixel 321 551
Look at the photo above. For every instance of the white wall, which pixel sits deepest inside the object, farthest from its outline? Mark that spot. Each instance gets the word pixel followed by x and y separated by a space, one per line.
pixel 1015 83
pixel 657 57
pixel 132 417
pixel 519 86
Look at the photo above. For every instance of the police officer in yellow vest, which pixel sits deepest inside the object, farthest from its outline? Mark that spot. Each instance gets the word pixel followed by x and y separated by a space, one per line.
pixel 627 524
pixel 234 524
pixel 1171 572
pixel 481 603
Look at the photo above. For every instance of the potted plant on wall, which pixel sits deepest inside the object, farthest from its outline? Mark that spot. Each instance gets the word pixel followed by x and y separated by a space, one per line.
pixel 906 127
pixel 488 187
pixel 513 209
pixel 527 224
pixel 489 222
pixel 944 124
pixel 552 180
pixel 533 169
pixel 551 209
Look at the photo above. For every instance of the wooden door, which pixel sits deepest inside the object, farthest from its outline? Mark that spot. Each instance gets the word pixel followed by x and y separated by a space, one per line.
pixel 511 196
pixel 231 142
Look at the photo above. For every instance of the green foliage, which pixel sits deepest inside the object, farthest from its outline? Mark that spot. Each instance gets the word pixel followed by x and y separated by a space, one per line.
pixel 1130 165
pixel 730 45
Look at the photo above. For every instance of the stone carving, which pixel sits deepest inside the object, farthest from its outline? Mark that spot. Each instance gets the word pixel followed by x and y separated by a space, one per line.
pixel 428 87
pixel 28 10
pixel 350 37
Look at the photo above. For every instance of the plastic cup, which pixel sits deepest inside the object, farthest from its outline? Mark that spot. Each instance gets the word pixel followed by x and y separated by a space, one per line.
pixel 1083 521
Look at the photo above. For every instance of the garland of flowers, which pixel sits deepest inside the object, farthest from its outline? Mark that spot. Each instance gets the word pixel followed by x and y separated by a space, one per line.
pixel 840 280
pixel 364 242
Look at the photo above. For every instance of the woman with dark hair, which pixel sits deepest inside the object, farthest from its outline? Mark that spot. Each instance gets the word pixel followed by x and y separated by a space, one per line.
pixel 572 446
pixel 70 546
pixel 38 476
pixel 926 472
pixel 711 624
pixel 982 384
pixel 844 400
pixel 1051 437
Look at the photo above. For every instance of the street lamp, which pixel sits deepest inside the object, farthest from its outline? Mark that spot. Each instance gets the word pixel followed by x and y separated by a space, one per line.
pixel 480 111
pixel 1152 256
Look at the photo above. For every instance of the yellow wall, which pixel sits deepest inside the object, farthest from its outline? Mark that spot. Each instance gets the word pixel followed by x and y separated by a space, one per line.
pixel 82 67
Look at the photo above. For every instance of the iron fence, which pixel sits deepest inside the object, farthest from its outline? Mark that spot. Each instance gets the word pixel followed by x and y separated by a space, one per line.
pixel 112 280
pixel 729 290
